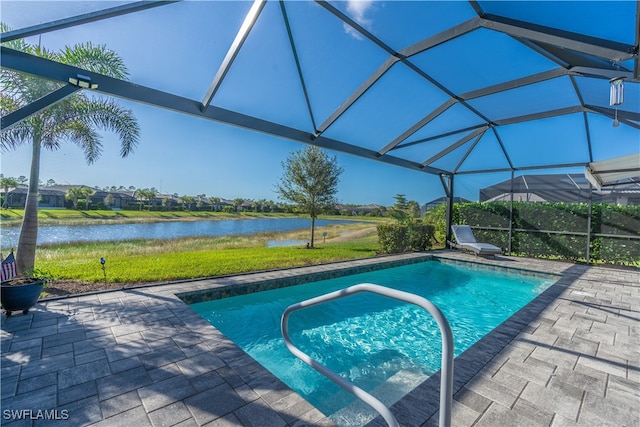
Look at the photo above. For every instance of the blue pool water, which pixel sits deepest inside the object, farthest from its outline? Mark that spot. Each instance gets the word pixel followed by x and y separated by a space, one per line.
pixel 384 346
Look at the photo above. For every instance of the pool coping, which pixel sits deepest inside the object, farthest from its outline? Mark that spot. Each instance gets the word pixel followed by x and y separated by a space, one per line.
pixel 143 357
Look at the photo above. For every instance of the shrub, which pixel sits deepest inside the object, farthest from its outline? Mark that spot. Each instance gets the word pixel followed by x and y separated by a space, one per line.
pixel 395 238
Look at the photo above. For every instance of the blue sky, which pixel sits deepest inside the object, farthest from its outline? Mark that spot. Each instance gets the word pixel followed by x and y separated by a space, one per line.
pixel 178 48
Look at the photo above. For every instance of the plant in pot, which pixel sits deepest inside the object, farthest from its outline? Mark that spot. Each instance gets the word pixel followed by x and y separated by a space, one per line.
pixel 22 293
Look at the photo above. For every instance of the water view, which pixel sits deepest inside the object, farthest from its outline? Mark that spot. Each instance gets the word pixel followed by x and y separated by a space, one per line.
pixel 162 230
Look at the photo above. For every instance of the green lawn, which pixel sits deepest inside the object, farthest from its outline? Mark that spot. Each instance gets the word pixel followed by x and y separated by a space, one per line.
pixel 133 262
pixel 152 261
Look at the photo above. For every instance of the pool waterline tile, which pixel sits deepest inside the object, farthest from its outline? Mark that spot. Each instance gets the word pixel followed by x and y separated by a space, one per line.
pixel 243 288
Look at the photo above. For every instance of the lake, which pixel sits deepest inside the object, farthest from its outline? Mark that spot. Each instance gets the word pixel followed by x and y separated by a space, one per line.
pixel 162 230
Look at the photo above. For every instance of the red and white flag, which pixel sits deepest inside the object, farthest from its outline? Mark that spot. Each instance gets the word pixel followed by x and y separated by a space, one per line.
pixel 8 270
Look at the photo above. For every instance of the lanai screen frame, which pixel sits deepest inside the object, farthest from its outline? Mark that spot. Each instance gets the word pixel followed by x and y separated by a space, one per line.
pixel 560 46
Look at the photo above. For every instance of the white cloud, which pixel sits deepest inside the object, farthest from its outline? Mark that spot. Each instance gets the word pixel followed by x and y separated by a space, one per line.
pixel 357 9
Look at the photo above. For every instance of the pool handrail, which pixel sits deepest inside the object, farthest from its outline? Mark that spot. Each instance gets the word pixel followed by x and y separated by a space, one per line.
pixel 446 379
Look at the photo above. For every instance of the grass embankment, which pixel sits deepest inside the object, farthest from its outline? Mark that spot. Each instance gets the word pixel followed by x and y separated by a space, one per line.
pixel 142 262
pixel 77 268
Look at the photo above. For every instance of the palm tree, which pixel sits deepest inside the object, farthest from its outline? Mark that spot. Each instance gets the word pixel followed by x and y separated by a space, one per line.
pixel 147 194
pixel 166 202
pixel 76 193
pixel 75 119
pixel 86 193
pixel 214 202
pixel 187 201
pixel 6 183
pixel 109 200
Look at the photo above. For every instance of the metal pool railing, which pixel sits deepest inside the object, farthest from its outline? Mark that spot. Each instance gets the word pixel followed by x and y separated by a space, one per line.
pixel 446 380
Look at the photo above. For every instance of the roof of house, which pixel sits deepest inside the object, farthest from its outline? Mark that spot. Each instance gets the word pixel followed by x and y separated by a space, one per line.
pixel 553 188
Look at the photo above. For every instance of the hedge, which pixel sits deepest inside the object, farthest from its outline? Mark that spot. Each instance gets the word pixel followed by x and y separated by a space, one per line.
pixel 396 238
pixel 557 220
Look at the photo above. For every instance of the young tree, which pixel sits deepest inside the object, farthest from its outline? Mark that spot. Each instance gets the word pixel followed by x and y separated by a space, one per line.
pixel 414 209
pixel 310 180
pixel 400 210
pixel 404 211
pixel 74 119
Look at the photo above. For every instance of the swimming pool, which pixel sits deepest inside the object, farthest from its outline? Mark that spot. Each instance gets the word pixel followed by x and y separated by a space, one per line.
pixel 384 346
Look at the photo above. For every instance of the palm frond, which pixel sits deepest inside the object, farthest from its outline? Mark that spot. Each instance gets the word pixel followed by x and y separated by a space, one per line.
pixel 87 139
pixel 19 44
pixel 98 59
pixel 12 138
pixel 110 116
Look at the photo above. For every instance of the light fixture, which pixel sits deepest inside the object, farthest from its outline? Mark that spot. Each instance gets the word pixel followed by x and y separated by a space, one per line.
pixel 616 96
pixel 83 81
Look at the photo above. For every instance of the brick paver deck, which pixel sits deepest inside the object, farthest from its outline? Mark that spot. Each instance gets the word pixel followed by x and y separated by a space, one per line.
pixel 142 357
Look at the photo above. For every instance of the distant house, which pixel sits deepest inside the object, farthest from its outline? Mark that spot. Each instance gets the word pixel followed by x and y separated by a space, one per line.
pixel 54 196
pixel 440 200
pixel 113 199
pixel 570 188
pixel 371 209
pixel 169 201
pixel 218 206
pixel 48 198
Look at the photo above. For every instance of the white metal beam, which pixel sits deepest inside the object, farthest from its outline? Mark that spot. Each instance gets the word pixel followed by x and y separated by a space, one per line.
pixel 233 51
pixel 617 52
pixel 82 19
pixel 45 68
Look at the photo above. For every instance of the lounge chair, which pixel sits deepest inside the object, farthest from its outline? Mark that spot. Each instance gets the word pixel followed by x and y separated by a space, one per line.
pixel 466 240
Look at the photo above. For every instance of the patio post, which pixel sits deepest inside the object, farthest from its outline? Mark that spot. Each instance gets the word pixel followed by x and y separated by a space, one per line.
pixel 589 224
pixel 511 213
pixel 448 189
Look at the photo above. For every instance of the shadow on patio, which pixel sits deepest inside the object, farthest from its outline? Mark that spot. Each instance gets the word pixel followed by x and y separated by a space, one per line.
pixel 133 358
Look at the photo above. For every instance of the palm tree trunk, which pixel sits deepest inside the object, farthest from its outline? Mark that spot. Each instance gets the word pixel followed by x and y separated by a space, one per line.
pixel 6 198
pixel 26 252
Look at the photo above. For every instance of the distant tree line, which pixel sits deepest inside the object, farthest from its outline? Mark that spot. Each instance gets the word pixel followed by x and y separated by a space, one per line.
pixel 84 197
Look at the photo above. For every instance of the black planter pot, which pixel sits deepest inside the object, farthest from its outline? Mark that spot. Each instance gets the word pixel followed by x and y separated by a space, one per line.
pixel 20 297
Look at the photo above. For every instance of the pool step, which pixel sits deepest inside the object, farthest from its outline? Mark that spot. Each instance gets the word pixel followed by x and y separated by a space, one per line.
pixel 359 413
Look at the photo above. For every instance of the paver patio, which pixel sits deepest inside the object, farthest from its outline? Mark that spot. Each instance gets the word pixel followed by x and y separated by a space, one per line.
pixel 141 357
